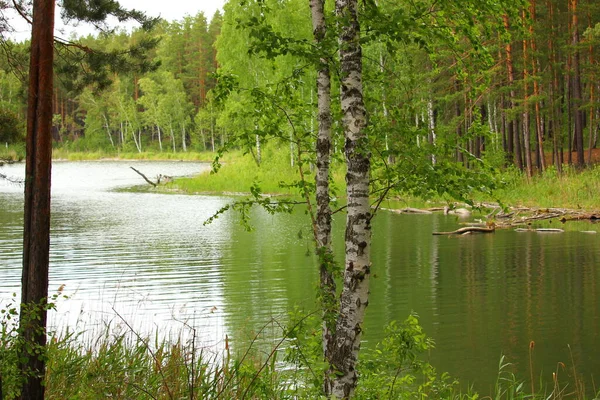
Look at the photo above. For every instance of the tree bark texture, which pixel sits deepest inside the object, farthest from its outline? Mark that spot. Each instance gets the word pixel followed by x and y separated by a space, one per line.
pixel 526 115
pixel 576 87
pixel 513 103
pixel 355 293
pixel 36 232
pixel 323 217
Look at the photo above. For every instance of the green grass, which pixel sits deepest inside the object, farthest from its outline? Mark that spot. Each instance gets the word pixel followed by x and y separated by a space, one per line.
pixel 62 154
pixel 571 189
pixel 239 172
pixel 13 152
pixel 117 363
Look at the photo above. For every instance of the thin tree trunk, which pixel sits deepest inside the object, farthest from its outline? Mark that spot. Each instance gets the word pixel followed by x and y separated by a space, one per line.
pixel 159 138
pixel 459 127
pixel 172 137
pixel 112 143
pixel 183 137
pixel 514 129
pixel 258 152
pixel 36 227
pixel 591 142
pixel 526 121
pixel 431 121
pixel 323 218
pixel 576 83
pixel 355 294
pixel 540 156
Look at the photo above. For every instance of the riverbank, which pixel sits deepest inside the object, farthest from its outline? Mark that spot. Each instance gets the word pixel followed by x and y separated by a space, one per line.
pixel 16 153
pixel 572 189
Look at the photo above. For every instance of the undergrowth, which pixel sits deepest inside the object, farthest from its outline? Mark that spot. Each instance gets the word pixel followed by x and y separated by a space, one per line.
pixel 119 363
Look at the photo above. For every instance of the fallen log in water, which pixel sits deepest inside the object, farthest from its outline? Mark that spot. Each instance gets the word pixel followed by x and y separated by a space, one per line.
pixel 468 229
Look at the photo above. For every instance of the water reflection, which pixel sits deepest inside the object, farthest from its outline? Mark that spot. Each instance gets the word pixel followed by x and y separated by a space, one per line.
pixel 150 257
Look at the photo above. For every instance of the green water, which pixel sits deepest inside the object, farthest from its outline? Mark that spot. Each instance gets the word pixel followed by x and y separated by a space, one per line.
pixel 149 258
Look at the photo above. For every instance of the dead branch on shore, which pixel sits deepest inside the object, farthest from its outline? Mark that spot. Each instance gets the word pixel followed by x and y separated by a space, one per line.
pixel 144 176
pixel 160 177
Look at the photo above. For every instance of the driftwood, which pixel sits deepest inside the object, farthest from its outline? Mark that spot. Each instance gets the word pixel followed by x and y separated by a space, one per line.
pixel 145 178
pixel 540 230
pixel 468 229
pixel 10 179
pixel 409 210
pixel 158 178
pixel 521 218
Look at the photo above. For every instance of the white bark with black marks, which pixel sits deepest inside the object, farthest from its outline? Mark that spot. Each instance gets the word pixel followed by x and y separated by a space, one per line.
pixel 323 216
pixel 355 293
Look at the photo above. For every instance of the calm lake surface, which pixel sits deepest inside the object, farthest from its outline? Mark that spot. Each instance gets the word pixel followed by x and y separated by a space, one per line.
pixel 147 259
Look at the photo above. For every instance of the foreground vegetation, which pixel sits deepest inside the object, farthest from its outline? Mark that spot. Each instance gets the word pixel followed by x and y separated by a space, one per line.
pixel 118 363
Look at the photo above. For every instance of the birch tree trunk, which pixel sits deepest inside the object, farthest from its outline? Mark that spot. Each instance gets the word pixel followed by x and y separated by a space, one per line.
pixel 343 376
pixel 112 143
pixel 323 217
pixel 36 227
pixel 159 138
pixel 431 125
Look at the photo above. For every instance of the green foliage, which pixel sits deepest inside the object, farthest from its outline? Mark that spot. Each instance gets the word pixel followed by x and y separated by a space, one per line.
pixel 394 368
pixel 15 349
pixel 11 128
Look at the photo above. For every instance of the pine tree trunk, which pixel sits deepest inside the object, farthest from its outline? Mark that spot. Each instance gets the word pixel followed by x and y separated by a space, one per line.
pixel 591 143
pixel 514 128
pixel 526 119
pixel 540 156
pixel 36 231
pixel 355 293
pixel 576 87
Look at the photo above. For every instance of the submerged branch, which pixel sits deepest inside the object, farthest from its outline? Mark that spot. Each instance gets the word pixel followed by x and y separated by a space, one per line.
pixel 468 229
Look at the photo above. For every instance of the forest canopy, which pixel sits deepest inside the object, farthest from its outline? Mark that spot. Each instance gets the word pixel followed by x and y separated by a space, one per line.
pixel 506 83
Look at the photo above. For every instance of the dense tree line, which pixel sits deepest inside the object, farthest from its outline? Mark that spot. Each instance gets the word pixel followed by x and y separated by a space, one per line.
pixel 510 84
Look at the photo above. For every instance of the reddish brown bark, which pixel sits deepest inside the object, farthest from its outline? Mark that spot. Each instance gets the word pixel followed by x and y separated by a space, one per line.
pixel 541 164
pixel 513 96
pixel 36 233
pixel 526 121
pixel 555 90
pixel 591 143
pixel 576 85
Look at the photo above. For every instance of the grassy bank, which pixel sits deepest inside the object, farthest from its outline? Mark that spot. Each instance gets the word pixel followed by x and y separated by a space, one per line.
pixel 571 189
pixel 239 172
pixel 12 153
pixel 17 152
pixel 61 154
